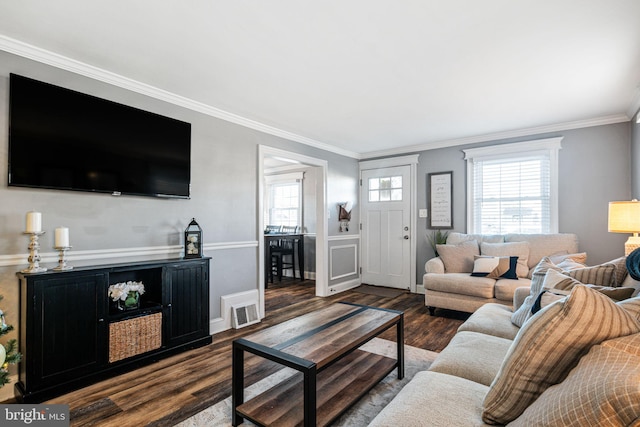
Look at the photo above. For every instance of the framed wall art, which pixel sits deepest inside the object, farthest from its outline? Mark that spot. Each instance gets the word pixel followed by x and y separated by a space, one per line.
pixel 440 200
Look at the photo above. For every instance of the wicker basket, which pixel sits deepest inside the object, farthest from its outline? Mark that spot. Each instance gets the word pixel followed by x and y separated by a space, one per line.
pixel 134 336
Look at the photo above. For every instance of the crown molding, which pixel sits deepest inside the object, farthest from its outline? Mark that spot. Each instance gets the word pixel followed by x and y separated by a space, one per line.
pixel 35 53
pixel 598 121
pixel 53 59
pixel 634 108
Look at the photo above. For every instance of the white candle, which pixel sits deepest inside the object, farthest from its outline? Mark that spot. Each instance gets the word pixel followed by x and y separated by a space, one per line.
pixel 62 237
pixel 34 222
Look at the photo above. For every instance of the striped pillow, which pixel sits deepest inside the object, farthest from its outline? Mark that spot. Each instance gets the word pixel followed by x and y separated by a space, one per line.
pixel 562 284
pixel 601 275
pixel 549 345
pixel 537 280
pixel 603 390
pixel 632 305
pixel 621 269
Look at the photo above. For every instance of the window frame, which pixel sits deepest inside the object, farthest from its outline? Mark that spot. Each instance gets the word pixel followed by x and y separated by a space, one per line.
pixel 283 179
pixel 548 146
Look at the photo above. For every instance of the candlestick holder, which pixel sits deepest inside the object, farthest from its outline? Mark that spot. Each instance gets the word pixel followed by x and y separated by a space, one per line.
pixel 62 259
pixel 34 257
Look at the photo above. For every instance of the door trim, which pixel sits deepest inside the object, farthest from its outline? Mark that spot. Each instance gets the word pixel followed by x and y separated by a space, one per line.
pixel 412 162
pixel 322 270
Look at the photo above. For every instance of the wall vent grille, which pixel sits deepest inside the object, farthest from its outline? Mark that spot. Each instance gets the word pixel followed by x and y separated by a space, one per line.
pixel 245 315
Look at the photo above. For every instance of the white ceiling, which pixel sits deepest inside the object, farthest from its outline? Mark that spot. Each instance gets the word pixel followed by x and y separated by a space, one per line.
pixel 360 77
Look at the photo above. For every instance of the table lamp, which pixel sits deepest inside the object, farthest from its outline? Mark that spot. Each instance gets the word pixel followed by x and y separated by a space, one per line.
pixel 624 217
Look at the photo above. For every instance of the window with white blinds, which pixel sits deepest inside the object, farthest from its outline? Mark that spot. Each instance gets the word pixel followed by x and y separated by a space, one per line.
pixel 513 188
pixel 283 201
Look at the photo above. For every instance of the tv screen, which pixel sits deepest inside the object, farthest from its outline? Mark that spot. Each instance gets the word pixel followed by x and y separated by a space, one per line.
pixel 66 140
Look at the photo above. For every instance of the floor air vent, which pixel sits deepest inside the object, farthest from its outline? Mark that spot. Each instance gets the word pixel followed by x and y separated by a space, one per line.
pixel 244 315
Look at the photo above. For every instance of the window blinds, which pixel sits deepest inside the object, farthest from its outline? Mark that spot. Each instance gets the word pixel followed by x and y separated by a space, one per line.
pixel 513 188
pixel 512 195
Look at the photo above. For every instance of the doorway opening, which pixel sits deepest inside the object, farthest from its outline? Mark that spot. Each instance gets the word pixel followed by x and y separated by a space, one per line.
pixel 313 216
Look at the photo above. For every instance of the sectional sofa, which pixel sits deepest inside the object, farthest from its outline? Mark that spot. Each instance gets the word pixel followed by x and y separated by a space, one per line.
pixel 573 362
pixel 448 280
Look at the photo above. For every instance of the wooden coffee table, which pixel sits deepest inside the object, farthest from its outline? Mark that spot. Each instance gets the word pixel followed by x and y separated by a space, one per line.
pixel 333 372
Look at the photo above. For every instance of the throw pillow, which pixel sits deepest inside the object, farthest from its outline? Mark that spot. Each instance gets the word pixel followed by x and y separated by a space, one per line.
pixel 537 280
pixel 561 283
pixel 569 264
pixel 549 346
pixel 557 285
pixel 580 257
pixel 621 269
pixel 601 275
pixel 601 391
pixel 519 249
pixel 495 267
pixel 544 299
pixel 455 238
pixel 629 344
pixel 632 305
pixel 458 258
pixel 633 264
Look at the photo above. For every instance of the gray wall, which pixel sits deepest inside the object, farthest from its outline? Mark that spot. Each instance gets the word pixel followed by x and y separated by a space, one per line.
pixel 594 168
pixel 223 201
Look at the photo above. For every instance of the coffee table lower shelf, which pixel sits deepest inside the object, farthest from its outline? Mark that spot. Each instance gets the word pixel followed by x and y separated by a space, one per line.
pixel 339 386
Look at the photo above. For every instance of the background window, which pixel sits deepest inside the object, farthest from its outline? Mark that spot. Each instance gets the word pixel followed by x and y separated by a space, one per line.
pixel 285 204
pixel 283 200
pixel 513 188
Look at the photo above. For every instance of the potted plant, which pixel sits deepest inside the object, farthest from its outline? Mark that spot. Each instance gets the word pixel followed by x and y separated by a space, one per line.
pixel 8 352
pixel 437 237
pixel 126 294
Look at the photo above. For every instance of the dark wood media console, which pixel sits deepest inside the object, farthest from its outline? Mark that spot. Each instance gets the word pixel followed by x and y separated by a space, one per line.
pixel 70 330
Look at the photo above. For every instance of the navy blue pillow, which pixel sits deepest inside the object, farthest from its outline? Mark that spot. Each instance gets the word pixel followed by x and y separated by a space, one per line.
pixel 511 274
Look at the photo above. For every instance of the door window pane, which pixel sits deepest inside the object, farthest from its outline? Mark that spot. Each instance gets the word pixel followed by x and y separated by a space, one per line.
pixel 385 189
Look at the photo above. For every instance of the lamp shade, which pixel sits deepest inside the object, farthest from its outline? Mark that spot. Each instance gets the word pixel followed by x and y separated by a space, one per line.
pixel 624 217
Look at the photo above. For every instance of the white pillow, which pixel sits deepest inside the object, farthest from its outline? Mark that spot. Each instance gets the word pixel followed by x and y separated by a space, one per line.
pixel 519 249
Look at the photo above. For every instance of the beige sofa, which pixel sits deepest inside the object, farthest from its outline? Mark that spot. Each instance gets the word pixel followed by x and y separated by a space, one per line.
pixel 557 370
pixel 448 282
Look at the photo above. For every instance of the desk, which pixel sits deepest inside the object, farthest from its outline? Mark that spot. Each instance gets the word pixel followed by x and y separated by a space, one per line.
pixel 298 241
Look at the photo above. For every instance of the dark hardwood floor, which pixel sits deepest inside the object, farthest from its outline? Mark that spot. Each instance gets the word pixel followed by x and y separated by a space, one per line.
pixel 173 389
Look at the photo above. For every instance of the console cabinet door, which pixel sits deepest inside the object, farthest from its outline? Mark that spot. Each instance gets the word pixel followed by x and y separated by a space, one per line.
pixel 186 302
pixel 67 329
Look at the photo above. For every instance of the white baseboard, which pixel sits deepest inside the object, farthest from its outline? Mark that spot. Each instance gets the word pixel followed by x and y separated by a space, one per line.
pixel 344 286
pixel 227 301
pixel 217 325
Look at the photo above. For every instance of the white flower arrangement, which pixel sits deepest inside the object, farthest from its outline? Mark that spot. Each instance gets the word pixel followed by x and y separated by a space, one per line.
pixel 119 291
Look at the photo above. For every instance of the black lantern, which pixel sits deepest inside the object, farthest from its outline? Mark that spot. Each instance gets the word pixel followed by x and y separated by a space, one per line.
pixel 193 240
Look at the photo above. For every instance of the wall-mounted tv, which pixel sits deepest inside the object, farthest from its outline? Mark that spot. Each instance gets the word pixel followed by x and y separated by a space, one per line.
pixel 66 140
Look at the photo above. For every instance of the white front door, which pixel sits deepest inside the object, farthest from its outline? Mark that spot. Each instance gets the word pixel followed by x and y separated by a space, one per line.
pixel 386 245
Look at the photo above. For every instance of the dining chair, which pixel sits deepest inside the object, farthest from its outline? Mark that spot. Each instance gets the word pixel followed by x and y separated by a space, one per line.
pixel 283 255
pixel 290 229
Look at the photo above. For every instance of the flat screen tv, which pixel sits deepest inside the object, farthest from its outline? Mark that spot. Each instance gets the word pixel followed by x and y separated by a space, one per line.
pixel 66 140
